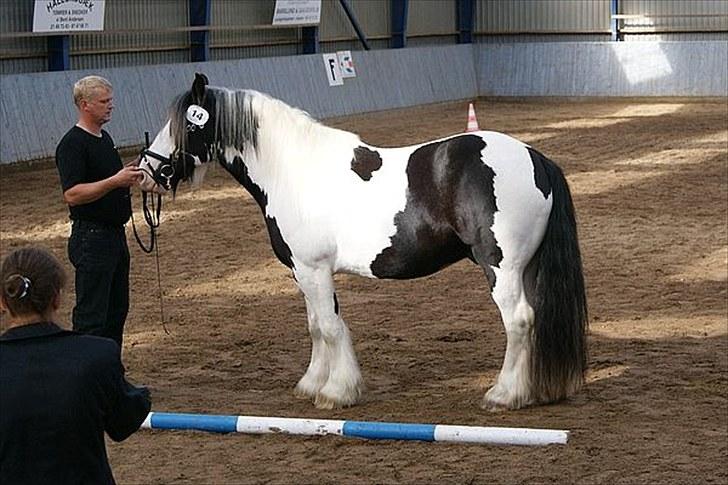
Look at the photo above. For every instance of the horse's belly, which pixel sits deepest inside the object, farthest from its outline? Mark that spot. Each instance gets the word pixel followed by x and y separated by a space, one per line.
pixel 423 255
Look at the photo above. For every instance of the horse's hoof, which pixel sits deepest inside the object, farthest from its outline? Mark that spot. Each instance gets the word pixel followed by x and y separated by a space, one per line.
pixel 493 407
pixel 299 393
pixel 325 402
pixel 498 400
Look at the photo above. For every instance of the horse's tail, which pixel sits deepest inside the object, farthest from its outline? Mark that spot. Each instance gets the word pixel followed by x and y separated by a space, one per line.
pixel 559 357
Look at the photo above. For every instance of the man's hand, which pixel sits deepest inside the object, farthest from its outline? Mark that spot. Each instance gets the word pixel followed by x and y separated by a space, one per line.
pixel 135 162
pixel 89 192
pixel 128 176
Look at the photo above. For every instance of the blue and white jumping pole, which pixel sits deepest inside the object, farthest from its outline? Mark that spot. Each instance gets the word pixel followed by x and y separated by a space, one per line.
pixel 358 429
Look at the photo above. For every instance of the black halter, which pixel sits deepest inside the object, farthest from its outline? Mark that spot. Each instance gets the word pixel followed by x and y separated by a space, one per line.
pixel 162 175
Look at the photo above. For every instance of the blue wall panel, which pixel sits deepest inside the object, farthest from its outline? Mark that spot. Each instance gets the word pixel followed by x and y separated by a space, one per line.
pixel 603 69
pixel 37 108
pixel 40 110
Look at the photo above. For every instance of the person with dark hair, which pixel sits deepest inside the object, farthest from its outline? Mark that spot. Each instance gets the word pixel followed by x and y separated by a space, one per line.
pixel 59 390
pixel 96 188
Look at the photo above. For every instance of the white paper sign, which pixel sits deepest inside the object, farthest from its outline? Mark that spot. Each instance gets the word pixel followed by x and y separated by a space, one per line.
pixel 333 71
pixel 346 64
pixel 297 12
pixel 197 115
pixel 60 16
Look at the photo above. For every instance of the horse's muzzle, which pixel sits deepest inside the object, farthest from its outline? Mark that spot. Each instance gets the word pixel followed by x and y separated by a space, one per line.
pixel 148 184
pixel 156 179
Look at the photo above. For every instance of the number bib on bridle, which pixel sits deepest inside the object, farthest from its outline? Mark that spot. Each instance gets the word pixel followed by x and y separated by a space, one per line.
pixel 197 116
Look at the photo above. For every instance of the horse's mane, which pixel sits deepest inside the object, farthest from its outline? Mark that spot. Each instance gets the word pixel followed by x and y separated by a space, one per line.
pixel 235 122
pixel 238 116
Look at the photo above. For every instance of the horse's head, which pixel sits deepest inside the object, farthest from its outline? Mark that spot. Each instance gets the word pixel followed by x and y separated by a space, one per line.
pixel 185 143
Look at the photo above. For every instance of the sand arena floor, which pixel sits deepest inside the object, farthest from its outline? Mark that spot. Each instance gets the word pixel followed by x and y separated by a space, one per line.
pixel 650 183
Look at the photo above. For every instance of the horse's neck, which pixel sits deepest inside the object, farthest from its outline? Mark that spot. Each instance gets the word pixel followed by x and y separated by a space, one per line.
pixel 286 131
pixel 290 143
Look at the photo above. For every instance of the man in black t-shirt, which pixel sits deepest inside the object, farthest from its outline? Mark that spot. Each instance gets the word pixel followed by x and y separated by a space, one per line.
pixel 96 188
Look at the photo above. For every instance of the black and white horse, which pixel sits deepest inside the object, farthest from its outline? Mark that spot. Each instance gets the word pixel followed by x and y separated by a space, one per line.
pixel 335 204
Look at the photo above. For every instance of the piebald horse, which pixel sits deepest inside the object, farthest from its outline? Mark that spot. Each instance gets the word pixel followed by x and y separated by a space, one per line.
pixel 333 203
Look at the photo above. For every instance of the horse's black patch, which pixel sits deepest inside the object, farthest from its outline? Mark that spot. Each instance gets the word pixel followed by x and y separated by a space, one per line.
pixel 365 162
pixel 448 215
pixel 280 247
pixel 238 170
pixel 539 172
pixel 336 304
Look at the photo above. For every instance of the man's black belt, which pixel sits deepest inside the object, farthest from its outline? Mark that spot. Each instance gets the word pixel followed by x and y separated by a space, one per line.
pixel 98 225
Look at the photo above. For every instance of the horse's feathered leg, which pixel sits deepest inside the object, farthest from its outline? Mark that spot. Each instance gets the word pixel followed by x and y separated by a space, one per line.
pixel 539 289
pixel 512 389
pixel 318 368
pixel 332 348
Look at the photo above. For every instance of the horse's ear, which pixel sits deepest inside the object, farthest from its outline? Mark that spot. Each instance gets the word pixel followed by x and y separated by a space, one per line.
pixel 198 87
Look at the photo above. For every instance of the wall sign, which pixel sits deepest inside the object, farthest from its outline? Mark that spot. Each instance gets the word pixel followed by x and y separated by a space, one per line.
pixel 346 64
pixel 297 12
pixel 333 71
pixel 59 16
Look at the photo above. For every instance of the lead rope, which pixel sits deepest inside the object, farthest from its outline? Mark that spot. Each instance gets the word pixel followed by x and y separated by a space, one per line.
pixel 159 286
pixel 152 218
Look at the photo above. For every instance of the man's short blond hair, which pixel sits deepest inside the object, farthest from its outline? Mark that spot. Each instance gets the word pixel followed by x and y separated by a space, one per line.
pixel 85 88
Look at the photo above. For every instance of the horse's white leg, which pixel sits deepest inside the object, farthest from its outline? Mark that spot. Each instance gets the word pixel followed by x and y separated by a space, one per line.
pixel 318 368
pixel 343 384
pixel 512 389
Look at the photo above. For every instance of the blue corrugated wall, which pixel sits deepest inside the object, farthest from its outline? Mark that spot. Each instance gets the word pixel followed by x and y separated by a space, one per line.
pixel 603 69
pixel 37 109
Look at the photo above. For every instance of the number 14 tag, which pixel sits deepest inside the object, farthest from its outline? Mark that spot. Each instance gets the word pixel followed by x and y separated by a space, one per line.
pixel 197 115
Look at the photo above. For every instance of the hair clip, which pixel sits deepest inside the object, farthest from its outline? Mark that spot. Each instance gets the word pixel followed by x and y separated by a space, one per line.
pixel 26 287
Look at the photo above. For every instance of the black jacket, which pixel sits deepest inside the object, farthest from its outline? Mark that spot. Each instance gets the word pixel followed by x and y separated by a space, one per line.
pixel 59 392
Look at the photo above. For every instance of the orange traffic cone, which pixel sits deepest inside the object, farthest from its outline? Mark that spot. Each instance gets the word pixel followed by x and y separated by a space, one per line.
pixel 472 120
